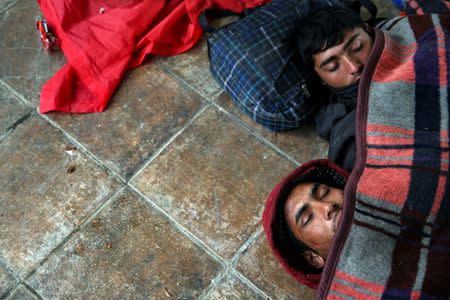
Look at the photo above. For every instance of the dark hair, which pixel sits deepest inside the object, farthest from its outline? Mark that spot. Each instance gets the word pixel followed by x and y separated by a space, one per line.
pixel 323 29
pixel 291 248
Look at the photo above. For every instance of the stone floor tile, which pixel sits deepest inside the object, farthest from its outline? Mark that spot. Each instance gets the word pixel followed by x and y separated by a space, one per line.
pixel 7 282
pixel 11 111
pixel 193 68
pixel 47 188
pixel 128 250
pixel 302 144
pixel 25 66
pixel 214 179
pixel 22 293
pixel 260 266
pixel 147 109
pixel 230 287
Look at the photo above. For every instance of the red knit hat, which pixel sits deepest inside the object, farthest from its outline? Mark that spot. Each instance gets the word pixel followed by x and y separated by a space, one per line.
pixel 320 170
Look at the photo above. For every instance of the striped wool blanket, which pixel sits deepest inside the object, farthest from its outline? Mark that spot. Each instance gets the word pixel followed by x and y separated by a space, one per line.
pixel 394 240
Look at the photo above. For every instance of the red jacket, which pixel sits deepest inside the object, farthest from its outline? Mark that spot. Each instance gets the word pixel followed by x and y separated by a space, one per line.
pixel 102 39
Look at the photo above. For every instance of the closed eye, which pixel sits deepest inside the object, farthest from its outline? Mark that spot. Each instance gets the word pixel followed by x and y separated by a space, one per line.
pixel 357 46
pixel 325 193
pixel 308 219
pixel 334 68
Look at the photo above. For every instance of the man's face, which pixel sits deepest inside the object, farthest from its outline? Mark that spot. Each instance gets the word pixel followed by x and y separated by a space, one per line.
pixel 342 65
pixel 313 213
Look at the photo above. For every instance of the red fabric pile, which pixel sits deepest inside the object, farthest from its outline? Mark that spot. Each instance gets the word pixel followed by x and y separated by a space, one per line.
pixel 102 39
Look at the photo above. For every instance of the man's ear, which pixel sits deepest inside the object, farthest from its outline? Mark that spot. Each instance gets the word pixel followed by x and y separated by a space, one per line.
pixel 314 259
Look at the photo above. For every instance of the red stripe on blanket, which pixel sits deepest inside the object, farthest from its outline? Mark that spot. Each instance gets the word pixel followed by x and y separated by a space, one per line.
pixel 442 56
pixel 370 286
pixel 415 295
pixel 390 152
pixel 399 58
pixel 386 129
pixel 391 185
pixel 388 140
pixel 389 129
pixel 439 194
pixel 349 291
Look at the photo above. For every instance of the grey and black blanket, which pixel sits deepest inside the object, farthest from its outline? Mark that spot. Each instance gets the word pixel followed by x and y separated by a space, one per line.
pixel 394 239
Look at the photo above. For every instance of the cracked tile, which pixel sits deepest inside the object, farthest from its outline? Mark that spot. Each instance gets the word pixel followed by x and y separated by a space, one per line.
pixel 22 293
pixel 260 266
pixel 302 144
pixel 230 287
pixel 128 249
pixel 214 179
pixel 11 111
pixel 47 188
pixel 25 66
pixel 147 109
pixel 193 67
pixel 7 282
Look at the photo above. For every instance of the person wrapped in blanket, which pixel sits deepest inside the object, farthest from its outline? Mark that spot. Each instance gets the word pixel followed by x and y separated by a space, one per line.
pixel 301 216
pixel 336 44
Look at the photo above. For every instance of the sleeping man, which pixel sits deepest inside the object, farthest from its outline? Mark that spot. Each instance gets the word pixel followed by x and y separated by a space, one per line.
pixel 335 43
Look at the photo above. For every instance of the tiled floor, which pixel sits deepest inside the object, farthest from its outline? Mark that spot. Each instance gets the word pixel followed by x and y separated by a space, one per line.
pixel 160 196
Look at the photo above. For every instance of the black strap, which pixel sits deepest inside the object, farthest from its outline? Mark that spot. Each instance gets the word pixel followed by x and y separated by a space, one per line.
pixel 202 19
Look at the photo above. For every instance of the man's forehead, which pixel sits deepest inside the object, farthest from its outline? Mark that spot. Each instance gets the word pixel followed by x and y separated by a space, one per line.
pixel 301 191
pixel 335 50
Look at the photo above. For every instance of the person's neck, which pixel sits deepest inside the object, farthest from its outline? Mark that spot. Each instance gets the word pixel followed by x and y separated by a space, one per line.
pixel 346 95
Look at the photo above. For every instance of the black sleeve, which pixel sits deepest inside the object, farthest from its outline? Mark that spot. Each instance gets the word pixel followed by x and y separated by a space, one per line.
pixel 342 149
pixel 327 117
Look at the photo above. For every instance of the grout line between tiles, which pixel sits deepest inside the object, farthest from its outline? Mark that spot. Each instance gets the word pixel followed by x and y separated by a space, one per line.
pixel 231 264
pixel 32 291
pixel 259 137
pixel 214 282
pixel 83 148
pixel 217 95
pixel 245 246
pixel 6 266
pixel 11 128
pixel 74 231
pixel 7 5
pixel 16 94
pixel 182 229
pixel 111 199
pixel 11 291
pixel 184 82
pixel 249 283
pixel 167 143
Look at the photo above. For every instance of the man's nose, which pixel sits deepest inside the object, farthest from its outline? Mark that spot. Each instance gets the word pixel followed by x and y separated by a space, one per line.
pixel 328 209
pixel 353 64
